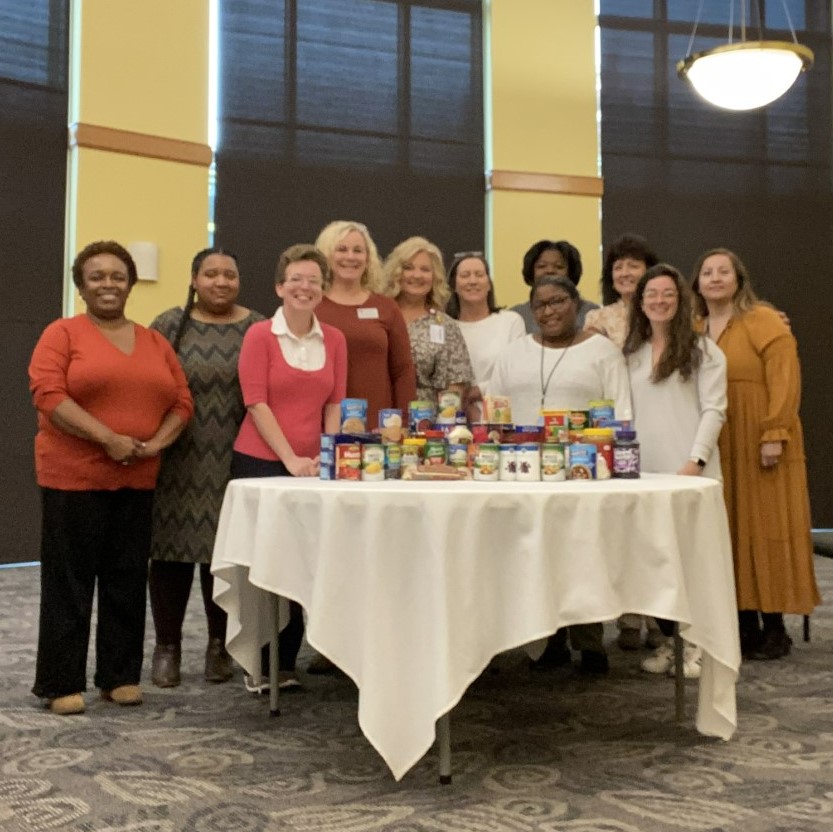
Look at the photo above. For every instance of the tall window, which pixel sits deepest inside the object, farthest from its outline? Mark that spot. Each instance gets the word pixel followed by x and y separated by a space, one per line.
pixel 690 176
pixel 347 109
pixel 33 150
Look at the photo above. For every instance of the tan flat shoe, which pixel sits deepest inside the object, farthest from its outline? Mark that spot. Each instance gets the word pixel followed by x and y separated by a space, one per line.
pixel 124 695
pixel 73 703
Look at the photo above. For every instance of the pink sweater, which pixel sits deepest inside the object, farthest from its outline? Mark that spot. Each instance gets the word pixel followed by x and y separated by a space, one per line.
pixel 296 397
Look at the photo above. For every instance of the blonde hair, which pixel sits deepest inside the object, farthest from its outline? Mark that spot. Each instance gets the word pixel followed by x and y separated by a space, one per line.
pixel 404 253
pixel 332 234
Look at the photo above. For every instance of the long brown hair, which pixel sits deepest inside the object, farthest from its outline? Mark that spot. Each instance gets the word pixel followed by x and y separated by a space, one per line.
pixel 682 352
pixel 745 297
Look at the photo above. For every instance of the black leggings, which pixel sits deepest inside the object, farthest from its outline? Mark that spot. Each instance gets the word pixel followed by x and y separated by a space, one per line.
pixel 170 588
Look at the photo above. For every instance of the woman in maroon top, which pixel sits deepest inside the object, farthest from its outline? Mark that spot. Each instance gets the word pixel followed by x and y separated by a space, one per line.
pixel 379 364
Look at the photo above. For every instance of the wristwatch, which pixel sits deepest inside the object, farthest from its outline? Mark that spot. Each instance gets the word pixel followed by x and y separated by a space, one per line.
pixel 701 463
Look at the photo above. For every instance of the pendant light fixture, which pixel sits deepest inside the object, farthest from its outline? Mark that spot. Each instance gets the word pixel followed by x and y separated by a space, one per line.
pixel 745 74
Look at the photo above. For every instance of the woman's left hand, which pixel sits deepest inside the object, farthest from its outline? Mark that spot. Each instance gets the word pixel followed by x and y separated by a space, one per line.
pixel 771 453
pixel 145 450
pixel 690 469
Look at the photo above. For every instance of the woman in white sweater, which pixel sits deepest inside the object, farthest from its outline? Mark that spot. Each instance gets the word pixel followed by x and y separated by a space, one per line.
pixel 486 328
pixel 678 384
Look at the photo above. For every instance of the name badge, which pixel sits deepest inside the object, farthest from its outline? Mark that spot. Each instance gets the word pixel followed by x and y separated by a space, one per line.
pixel 436 333
pixel 367 312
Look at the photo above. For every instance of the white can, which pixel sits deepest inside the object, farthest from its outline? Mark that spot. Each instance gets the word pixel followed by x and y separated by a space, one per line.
pixel 553 463
pixel 507 462
pixel 486 463
pixel 528 462
pixel 373 463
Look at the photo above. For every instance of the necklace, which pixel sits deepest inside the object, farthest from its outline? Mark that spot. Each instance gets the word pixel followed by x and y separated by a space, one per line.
pixel 546 385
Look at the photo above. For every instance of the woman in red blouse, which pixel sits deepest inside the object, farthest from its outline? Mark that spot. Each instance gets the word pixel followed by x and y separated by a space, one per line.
pixel 110 396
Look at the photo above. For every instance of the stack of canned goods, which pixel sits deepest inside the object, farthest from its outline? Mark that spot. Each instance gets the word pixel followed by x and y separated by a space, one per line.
pixel 568 445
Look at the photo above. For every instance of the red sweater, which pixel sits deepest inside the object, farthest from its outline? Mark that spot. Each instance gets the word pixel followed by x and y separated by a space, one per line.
pixel 379 364
pixel 131 394
pixel 296 397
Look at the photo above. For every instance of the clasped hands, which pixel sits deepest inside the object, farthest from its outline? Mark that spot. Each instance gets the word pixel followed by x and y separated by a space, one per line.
pixel 127 449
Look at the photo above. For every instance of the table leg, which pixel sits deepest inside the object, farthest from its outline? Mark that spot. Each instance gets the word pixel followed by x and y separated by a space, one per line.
pixel 679 677
pixel 444 745
pixel 274 710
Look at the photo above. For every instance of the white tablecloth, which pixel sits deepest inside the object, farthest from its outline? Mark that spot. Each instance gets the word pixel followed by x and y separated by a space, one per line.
pixel 412 587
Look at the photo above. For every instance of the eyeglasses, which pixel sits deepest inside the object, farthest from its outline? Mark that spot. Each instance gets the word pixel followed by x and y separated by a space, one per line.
pixel 303 280
pixel 552 303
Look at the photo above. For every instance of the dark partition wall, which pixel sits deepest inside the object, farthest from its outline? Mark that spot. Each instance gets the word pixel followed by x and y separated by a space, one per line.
pixel 689 177
pixel 33 149
pixel 370 110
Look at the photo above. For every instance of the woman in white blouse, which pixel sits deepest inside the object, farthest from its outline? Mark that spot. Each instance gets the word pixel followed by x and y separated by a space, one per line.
pixel 486 328
pixel 678 387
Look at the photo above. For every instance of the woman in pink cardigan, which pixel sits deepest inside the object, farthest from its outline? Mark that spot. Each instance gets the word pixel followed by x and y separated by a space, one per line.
pixel 293 374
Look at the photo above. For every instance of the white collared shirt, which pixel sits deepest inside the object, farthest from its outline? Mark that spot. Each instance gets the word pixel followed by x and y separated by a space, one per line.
pixel 304 353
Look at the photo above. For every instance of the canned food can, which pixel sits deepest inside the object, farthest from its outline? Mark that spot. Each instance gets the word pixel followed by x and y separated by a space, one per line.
pixel 486 462
pixel 436 452
pixel 508 468
pixel 553 463
pixel 373 463
pixel 448 404
pixel 393 461
pixel 528 462
pixel 348 462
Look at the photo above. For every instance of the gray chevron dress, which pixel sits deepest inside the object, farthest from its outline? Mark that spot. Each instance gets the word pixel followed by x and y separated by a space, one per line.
pixel 195 469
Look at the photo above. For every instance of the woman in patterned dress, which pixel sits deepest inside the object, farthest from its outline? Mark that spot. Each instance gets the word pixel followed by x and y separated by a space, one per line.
pixel 415 279
pixel 206 335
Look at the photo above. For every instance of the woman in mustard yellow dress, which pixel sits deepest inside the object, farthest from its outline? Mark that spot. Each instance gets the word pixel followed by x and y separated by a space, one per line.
pixel 762 455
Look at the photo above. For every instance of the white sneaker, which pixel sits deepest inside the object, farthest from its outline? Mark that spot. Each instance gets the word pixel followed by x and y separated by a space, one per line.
pixel 661 660
pixel 692 657
pixel 256 684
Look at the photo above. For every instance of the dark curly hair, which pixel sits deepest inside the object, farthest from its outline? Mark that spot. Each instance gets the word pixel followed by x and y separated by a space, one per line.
pixel 683 352
pixel 628 245
pixel 568 251
pixel 103 247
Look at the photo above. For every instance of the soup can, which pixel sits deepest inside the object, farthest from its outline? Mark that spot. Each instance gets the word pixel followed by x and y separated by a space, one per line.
pixel 582 465
pixel 486 462
pixel 348 461
pixel 553 463
pixel 528 462
pixel 508 469
pixel 420 416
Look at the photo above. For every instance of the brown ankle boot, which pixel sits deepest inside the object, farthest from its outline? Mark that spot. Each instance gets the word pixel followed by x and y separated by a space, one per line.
pixel 217 662
pixel 165 665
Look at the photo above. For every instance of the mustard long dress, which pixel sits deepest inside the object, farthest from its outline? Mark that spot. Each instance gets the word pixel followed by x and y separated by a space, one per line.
pixel 769 508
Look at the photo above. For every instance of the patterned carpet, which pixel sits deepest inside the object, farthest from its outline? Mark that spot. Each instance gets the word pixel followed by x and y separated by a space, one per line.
pixel 531 751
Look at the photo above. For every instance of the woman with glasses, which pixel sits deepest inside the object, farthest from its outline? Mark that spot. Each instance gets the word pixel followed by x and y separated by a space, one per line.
pixel 415 279
pixel 486 327
pixel 678 384
pixel 293 373
pixel 562 368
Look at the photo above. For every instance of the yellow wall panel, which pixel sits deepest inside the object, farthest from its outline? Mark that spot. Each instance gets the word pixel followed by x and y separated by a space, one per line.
pixel 129 199
pixel 525 218
pixel 143 66
pixel 543 86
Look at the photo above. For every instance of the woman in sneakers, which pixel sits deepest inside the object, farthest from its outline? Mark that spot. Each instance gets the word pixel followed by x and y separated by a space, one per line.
pixel 678 386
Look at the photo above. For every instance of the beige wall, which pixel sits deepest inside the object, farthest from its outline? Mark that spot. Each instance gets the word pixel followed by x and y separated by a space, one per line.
pixel 141 69
pixel 541 112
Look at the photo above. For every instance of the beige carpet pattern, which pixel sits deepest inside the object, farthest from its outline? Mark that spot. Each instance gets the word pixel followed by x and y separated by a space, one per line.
pixel 531 751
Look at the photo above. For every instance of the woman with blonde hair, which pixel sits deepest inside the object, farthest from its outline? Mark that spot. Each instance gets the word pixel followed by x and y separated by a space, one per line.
pixel 761 454
pixel 415 278
pixel 379 364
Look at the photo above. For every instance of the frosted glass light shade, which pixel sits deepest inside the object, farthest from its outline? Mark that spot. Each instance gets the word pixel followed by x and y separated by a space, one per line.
pixel 746 75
